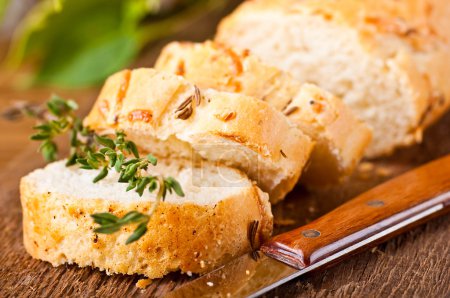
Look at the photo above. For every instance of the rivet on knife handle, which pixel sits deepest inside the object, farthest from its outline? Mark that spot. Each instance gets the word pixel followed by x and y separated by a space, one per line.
pixel 381 208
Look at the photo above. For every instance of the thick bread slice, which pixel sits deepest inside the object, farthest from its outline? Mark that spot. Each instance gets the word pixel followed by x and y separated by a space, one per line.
pixel 340 137
pixel 197 233
pixel 239 131
pixel 388 60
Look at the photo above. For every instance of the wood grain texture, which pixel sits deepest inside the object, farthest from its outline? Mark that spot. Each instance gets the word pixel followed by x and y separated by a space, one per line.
pixel 412 265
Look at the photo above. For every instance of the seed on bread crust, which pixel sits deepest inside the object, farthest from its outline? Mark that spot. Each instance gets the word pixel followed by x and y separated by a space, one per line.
pixel 185 109
pixel 226 116
pixel 290 110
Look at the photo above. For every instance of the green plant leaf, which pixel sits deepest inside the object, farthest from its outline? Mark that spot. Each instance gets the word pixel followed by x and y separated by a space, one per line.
pixel 48 150
pixel 103 173
pixel 72 160
pixel 138 233
pixel 39 137
pixel 108 228
pixel 104 218
pixel 3 6
pixel 133 148
pixel 153 160
pixel 69 41
pixel 105 141
pixel 175 186
pixel 91 64
pixel 133 216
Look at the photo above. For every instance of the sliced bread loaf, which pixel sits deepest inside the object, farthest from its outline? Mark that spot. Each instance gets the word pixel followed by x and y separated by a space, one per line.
pixel 168 116
pixel 340 137
pixel 196 233
pixel 388 60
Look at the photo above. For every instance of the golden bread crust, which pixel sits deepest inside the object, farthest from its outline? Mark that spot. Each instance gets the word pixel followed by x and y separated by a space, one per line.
pixel 149 112
pixel 413 37
pixel 340 137
pixel 187 237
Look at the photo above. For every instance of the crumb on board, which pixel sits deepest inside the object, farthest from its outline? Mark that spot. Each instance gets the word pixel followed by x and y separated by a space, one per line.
pixel 383 171
pixel 143 283
pixel 376 250
pixel 210 284
pixel 366 166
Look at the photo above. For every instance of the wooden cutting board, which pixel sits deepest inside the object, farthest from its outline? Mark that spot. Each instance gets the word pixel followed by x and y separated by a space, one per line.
pixel 416 263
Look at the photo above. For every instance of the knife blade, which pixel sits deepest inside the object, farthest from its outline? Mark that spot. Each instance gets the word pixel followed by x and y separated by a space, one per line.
pixel 363 222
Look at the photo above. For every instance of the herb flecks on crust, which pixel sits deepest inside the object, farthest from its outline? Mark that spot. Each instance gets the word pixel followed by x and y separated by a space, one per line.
pixel 91 151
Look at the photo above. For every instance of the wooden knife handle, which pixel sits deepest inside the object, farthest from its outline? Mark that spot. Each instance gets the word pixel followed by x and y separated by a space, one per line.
pixel 379 211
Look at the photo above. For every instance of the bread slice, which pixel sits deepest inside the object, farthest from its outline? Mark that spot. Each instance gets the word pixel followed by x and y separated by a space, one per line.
pixel 196 233
pixel 168 116
pixel 388 60
pixel 340 137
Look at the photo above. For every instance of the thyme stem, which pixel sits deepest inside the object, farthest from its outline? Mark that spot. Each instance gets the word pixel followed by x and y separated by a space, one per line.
pixel 91 151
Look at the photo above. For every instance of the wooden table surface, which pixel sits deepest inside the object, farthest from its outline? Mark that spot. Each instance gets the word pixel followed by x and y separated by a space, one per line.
pixel 415 264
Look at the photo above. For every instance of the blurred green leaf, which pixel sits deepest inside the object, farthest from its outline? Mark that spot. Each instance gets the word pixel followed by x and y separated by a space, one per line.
pixel 3 7
pixel 78 43
pixel 88 65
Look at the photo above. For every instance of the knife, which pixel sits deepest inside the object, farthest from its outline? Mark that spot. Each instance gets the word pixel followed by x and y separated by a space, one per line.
pixel 363 222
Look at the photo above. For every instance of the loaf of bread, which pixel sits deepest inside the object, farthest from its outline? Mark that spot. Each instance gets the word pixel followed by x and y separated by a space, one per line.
pixel 168 116
pixel 388 60
pixel 196 233
pixel 340 137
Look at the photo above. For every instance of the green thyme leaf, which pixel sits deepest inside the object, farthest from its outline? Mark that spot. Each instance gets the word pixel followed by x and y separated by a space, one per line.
pixel 82 161
pixel 133 148
pixel 131 185
pixel 112 159
pixel 152 185
pixel 131 161
pixel 138 233
pixel 72 160
pixel 175 186
pixel 104 218
pixel 142 185
pixel 103 173
pixel 58 106
pixel 119 162
pixel 108 228
pixel 72 105
pixel 48 150
pixel 74 138
pixel 40 137
pixel 152 159
pixel 43 127
pixel 107 142
pixel 133 217
pixel 92 151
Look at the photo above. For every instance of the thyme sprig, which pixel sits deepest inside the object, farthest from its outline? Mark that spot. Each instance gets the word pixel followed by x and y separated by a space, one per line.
pixel 59 119
pixel 91 151
pixel 110 223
